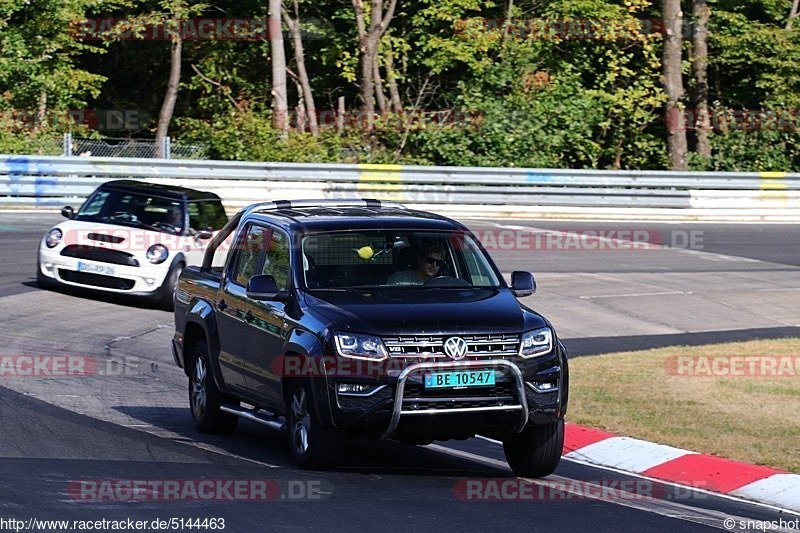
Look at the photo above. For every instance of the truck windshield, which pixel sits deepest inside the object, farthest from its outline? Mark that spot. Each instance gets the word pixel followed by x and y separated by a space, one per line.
pixel 395 259
pixel 132 209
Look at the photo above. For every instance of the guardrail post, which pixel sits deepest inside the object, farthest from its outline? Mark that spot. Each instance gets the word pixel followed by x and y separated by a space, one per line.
pixel 67 144
pixel 167 147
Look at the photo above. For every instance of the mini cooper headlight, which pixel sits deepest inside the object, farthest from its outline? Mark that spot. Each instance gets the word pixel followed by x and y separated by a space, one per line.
pixel 359 346
pixel 157 254
pixel 536 342
pixel 54 237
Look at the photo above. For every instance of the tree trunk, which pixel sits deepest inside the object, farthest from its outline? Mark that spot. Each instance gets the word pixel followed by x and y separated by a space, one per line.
pixel 701 13
pixel 793 14
pixel 391 78
pixel 379 94
pixel 341 112
pixel 280 103
pixel 41 112
pixel 673 84
pixel 299 58
pixel 369 38
pixel 171 96
pixel 509 16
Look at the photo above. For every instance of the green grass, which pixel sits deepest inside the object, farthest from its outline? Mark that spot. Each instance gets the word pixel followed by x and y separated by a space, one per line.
pixel 754 419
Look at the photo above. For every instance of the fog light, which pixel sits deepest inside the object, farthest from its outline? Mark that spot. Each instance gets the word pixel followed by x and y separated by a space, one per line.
pixel 150 281
pixel 543 386
pixel 48 267
pixel 353 388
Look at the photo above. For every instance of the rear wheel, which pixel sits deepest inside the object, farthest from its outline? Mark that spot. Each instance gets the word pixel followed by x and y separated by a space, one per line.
pixel 536 451
pixel 312 445
pixel 204 397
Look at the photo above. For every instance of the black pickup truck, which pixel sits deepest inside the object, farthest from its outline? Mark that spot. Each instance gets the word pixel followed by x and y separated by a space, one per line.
pixel 335 319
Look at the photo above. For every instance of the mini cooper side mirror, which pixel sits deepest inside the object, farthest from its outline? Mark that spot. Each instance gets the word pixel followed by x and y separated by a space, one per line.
pixel 67 212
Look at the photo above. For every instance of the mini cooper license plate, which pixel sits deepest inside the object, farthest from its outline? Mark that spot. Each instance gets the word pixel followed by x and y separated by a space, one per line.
pixel 451 380
pixel 95 269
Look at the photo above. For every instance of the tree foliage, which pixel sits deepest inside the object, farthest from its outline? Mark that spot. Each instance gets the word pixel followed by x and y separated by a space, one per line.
pixel 539 83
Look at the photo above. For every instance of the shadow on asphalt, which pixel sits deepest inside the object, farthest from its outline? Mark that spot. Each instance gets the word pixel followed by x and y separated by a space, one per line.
pixel 602 345
pixel 98 296
pixel 364 456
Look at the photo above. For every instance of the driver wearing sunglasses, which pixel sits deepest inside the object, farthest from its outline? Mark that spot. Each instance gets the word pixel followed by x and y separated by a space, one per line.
pixel 429 264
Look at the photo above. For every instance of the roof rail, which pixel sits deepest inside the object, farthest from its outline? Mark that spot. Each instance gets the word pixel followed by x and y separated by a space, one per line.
pixel 328 202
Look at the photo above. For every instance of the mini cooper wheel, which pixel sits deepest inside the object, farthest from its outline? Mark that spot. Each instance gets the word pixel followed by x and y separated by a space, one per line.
pixel 204 397
pixel 312 445
pixel 166 294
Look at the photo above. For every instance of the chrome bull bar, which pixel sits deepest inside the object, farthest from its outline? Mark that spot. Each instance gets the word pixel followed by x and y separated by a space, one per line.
pixel 397 408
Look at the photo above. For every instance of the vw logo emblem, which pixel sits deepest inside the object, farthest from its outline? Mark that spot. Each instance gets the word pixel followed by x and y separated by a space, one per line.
pixel 456 348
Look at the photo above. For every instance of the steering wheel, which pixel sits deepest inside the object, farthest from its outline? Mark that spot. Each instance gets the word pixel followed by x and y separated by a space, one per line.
pixel 445 281
pixel 166 226
pixel 125 215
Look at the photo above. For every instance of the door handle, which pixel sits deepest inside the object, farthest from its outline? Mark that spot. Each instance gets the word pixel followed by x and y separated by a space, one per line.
pixel 221 305
pixel 248 317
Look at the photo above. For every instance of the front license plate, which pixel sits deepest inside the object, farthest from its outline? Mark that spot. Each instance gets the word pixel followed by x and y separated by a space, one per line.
pixel 95 269
pixel 451 380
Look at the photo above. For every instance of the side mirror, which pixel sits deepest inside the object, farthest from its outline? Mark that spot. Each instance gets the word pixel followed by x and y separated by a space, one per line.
pixel 67 212
pixel 204 235
pixel 264 287
pixel 522 284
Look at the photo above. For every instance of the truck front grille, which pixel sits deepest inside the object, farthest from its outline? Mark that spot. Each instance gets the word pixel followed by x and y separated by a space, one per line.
pixel 488 345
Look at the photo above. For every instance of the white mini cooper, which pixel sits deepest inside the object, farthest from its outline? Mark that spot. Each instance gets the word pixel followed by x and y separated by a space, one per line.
pixel 130 237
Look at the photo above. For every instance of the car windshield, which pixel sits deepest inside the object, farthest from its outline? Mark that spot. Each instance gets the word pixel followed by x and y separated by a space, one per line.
pixel 133 209
pixel 395 259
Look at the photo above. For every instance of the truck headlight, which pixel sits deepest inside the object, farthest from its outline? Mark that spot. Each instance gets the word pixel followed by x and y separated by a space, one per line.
pixel 157 254
pixel 359 346
pixel 536 342
pixel 54 237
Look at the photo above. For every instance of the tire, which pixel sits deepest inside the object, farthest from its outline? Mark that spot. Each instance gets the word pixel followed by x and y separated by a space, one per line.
pixel 204 397
pixel 41 280
pixel 536 451
pixel 312 445
pixel 166 294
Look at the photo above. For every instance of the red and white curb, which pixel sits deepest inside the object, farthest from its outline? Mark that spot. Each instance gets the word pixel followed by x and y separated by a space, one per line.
pixel 751 482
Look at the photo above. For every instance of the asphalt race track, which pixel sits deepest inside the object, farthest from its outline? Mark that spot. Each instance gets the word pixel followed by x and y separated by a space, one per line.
pixel 131 421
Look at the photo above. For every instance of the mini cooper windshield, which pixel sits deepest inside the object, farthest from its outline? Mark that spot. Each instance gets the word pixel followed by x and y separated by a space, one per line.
pixel 132 209
pixel 395 259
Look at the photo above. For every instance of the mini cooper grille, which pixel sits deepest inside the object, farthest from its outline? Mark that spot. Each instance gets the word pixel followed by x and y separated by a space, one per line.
pixel 96 280
pixel 101 255
pixel 432 346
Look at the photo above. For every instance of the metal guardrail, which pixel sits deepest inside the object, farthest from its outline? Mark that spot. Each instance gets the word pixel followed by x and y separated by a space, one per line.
pixel 49 181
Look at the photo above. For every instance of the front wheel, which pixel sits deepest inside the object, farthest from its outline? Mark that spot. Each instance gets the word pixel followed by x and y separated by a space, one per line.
pixel 205 399
pixel 166 294
pixel 43 281
pixel 536 451
pixel 312 445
